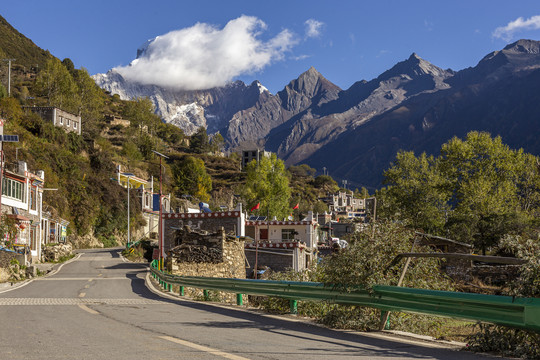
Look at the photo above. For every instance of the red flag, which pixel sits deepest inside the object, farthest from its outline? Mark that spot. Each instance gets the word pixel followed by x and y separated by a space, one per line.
pixel 256 207
pixel 296 206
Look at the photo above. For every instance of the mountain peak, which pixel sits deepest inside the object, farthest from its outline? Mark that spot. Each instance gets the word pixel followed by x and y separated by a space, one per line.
pixel 414 56
pixel 414 66
pixel 310 82
pixel 524 46
pixel 311 72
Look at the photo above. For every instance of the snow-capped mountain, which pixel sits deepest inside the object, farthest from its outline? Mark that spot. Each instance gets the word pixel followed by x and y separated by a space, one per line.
pixel 189 110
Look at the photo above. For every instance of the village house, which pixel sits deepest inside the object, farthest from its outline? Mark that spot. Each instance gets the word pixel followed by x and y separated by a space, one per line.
pixel 54 228
pixel 58 117
pixel 250 155
pixel 148 198
pixel 345 205
pixel 280 245
pixel 21 201
pixel 116 121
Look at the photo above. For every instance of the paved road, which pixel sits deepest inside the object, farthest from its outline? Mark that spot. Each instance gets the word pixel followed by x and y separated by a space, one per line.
pixel 99 307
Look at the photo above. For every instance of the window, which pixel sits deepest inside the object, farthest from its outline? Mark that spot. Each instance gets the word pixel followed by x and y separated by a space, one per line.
pixel 67 122
pixel 13 189
pixel 61 120
pixel 74 124
pixel 288 234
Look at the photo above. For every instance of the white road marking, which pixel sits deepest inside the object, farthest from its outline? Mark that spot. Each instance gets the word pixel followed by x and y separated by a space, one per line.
pixel 74 301
pixel 83 279
pixel 87 309
pixel 203 348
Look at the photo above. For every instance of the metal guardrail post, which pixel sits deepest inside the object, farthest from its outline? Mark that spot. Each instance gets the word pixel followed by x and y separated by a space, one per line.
pixel 181 291
pixel 239 299
pixel 294 306
pixel 385 320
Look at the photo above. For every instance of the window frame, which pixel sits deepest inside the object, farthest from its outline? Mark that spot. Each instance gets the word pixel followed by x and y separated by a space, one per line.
pixel 13 189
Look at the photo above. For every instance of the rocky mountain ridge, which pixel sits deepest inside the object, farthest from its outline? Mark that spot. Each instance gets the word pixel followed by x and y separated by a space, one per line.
pixel 415 105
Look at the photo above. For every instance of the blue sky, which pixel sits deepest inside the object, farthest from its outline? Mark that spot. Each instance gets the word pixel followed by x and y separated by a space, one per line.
pixel 348 40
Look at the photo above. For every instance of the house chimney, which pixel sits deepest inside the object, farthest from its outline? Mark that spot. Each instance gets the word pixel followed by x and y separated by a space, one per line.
pixel 23 167
pixel 41 174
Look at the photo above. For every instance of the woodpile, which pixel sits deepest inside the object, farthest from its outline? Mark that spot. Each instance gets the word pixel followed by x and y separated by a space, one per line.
pixel 197 246
pixel 196 254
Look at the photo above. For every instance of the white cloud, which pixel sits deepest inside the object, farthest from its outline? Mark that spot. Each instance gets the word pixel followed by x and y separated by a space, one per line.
pixel 507 32
pixel 301 57
pixel 313 28
pixel 428 25
pixel 382 53
pixel 203 56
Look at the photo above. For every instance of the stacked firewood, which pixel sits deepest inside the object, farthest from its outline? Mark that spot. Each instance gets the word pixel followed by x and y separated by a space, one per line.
pixel 199 246
pixel 196 253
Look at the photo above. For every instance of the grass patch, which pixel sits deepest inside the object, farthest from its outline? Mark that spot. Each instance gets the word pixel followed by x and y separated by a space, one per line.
pixel 63 258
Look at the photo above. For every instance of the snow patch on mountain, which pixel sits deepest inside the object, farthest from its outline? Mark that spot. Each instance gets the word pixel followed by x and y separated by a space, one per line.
pixel 188 117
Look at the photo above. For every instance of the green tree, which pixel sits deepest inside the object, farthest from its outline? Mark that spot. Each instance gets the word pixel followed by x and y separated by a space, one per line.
pixel 190 177
pixel 476 191
pixel 8 229
pixel 171 134
pixel 483 177
pixel 140 111
pixel 217 142
pixel 267 183
pixel 10 109
pixel 302 170
pixel 368 260
pixel 199 141
pixel 326 183
pixel 69 65
pixel 418 191
pixel 145 144
pixel 56 83
pixel 3 92
pixel 89 95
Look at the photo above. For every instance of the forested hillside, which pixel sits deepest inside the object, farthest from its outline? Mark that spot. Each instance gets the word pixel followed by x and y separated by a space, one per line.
pixel 83 167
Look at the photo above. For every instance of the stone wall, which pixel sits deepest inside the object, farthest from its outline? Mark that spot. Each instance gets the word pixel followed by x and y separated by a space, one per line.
pixel 5 258
pixel 276 259
pixel 190 258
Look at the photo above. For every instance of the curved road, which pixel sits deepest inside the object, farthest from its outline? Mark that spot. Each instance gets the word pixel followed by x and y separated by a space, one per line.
pixel 99 307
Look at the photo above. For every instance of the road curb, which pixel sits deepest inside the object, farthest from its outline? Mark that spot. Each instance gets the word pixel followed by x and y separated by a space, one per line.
pixel 21 284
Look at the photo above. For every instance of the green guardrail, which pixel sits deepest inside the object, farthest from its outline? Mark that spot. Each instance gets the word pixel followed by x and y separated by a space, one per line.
pixel 502 310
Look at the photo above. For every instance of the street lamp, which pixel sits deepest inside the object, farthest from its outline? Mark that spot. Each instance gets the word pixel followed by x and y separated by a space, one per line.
pixel 160 221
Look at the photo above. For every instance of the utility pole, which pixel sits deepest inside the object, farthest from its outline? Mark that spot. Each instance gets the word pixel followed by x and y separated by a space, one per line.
pixel 160 221
pixel 9 74
pixel 128 175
